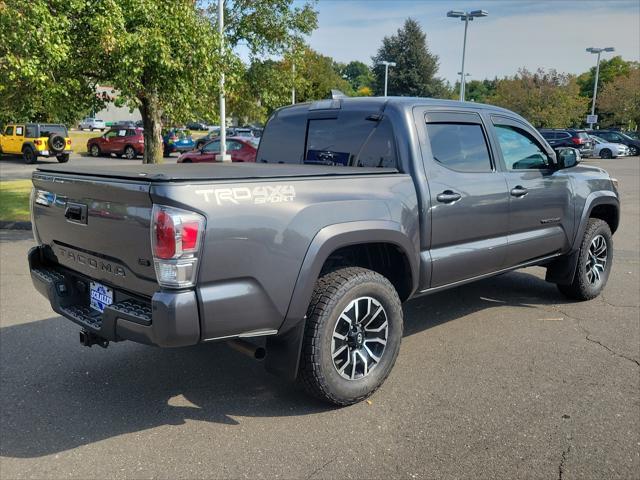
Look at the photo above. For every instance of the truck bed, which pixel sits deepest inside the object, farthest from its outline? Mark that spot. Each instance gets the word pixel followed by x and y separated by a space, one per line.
pixel 209 172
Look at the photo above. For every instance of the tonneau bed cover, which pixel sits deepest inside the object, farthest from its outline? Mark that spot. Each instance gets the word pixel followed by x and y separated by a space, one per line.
pixel 208 172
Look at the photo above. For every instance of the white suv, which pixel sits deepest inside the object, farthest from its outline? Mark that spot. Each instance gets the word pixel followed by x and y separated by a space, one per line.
pixel 92 124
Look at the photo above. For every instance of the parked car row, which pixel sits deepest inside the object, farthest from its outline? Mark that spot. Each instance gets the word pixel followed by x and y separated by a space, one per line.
pixel 593 143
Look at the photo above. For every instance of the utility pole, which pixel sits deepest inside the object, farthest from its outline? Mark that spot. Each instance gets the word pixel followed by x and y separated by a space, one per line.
pixel 223 115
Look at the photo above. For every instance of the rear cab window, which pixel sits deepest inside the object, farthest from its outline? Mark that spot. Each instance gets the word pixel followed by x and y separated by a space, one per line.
pixel 329 137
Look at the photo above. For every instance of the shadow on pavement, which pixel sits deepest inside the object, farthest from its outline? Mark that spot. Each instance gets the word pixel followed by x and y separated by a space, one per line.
pixel 57 395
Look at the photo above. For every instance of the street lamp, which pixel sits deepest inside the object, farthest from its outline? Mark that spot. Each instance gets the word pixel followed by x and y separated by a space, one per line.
pixel 466 17
pixel 386 72
pixel 595 83
pixel 222 157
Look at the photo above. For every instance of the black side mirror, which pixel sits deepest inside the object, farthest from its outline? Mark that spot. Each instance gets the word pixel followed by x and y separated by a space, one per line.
pixel 568 157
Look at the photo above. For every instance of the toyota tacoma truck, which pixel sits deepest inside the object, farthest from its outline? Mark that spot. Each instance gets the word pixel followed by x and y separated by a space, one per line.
pixel 352 207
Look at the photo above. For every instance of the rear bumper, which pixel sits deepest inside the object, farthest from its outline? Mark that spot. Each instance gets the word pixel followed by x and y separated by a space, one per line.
pixel 167 319
pixel 47 153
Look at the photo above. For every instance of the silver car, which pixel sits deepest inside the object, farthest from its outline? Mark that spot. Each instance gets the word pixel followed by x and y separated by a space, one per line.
pixel 604 149
pixel 92 124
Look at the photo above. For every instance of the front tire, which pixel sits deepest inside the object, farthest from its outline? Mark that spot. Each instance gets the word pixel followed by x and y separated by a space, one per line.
pixel 594 262
pixel 633 151
pixel 605 153
pixel 352 335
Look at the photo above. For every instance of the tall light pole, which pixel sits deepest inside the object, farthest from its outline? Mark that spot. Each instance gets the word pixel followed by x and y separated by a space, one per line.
pixel 466 17
pixel 293 81
pixel 595 83
pixel 386 72
pixel 223 115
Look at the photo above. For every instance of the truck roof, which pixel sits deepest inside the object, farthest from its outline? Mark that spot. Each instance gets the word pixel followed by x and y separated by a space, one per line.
pixel 208 171
pixel 402 103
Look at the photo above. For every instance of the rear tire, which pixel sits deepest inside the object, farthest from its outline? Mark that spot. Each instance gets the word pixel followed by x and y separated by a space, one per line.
pixel 63 158
pixel 594 262
pixel 605 153
pixel 344 360
pixel 29 155
pixel 129 153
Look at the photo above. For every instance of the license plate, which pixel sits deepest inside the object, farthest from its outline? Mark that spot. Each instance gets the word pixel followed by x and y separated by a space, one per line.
pixel 100 296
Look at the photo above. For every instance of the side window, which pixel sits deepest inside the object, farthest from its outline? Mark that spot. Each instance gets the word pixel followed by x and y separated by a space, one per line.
pixel 231 146
pixel 380 149
pixel 20 131
pixel 212 146
pixel 111 134
pixel 31 131
pixel 520 150
pixel 459 146
pixel 607 136
pixel 122 133
pixel 131 133
pixel 550 135
pixel 9 131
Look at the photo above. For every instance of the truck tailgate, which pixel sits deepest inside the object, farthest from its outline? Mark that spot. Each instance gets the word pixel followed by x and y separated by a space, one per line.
pixel 98 227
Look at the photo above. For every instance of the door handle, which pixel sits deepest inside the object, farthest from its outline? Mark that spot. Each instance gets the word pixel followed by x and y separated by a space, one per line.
pixel 448 196
pixel 519 191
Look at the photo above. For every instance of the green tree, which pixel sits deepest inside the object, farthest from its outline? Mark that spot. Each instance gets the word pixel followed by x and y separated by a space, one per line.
pixel 265 86
pixel 609 70
pixel 358 74
pixel 416 67
pixel 619 101
pixel 546 98
pixel 162 56
pixel 317 76
pixel 35 55
pixel 475 90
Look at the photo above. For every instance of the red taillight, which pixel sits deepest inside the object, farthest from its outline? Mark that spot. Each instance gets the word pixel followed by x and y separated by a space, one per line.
pixel 165 236
pixel 68 141
pixel 577 140
pixel 38 142
pixel 190 231
pixel 176 236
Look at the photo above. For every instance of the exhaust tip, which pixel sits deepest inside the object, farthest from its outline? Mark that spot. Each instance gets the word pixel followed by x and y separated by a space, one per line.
pixel 247 348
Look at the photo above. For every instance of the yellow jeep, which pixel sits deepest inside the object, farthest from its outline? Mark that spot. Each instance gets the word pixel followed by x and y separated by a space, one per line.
pixel 33 140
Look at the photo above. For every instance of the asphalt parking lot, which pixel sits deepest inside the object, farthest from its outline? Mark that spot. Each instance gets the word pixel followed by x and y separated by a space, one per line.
pixel 500 379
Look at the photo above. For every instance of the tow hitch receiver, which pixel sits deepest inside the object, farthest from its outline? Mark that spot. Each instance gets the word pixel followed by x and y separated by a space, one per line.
pixel 87 339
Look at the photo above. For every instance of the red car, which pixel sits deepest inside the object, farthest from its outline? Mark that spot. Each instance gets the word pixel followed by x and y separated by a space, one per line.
pixel 125 142
pixel 241 149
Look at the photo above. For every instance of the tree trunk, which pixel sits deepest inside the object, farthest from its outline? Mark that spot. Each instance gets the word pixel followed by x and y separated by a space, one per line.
pixel 152 122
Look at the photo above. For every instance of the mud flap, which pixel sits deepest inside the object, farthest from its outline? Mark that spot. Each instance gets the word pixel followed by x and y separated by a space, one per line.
pixel 563 269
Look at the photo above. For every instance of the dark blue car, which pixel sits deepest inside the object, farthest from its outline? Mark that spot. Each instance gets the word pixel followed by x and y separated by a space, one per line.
pixel 177 140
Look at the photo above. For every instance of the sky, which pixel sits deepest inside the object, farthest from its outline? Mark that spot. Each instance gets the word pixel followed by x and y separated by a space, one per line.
pixel 517 33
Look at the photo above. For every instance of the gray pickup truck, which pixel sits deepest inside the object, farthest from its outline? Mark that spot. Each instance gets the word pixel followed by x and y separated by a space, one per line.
pixel 352 207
